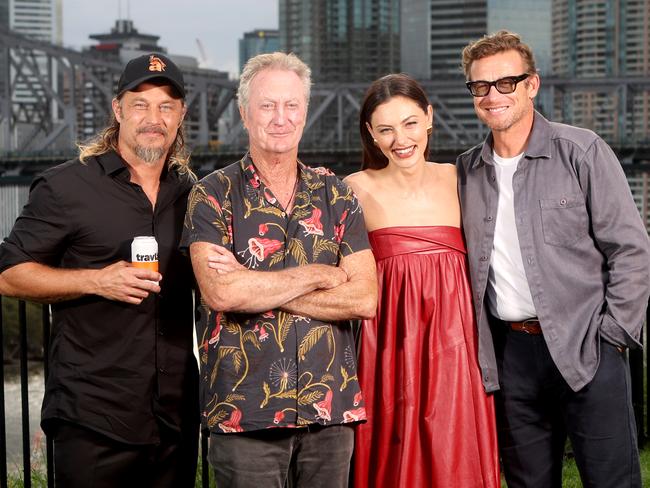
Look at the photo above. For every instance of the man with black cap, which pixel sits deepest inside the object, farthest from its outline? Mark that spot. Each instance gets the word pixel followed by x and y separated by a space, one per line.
pixel 121 397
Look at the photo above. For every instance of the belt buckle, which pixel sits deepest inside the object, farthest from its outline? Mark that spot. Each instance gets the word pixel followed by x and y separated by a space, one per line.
pixel 530 326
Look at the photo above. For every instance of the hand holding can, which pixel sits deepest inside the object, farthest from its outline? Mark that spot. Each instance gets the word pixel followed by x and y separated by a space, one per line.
pixel 144 253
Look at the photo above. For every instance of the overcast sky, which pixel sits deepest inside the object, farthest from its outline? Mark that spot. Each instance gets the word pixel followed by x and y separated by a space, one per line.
pixel 217 23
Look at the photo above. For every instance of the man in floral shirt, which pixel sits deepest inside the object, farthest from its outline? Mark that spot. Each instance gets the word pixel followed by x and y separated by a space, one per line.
pixel 281 255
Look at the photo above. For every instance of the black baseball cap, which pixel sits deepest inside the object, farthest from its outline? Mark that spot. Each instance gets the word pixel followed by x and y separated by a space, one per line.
pixel 148 67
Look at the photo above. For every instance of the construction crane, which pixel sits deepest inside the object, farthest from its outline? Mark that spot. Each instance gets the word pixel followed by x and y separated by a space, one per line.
pixel 204 61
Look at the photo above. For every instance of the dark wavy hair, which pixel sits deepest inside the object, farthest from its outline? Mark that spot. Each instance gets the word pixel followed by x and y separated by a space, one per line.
pixel 381 91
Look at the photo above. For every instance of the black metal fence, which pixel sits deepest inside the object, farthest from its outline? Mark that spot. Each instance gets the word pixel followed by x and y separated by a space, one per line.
pixel 639 368
pixel 23 361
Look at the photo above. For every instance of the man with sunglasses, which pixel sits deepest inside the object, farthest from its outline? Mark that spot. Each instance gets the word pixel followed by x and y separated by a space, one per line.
pixel 560 269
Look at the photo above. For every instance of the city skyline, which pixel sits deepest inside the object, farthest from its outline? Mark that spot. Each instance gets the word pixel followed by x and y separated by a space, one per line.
pixel 52 115
pixel 218 24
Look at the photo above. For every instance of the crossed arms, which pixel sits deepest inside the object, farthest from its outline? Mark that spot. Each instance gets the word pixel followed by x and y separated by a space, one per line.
pixel 347 291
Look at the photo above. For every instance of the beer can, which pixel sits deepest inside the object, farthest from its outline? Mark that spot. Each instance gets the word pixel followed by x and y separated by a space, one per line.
pixel 144 253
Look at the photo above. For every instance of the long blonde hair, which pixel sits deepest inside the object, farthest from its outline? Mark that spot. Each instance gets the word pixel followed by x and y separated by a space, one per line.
pixel 178 157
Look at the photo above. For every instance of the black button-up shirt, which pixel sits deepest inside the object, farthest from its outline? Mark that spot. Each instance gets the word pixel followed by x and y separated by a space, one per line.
pixel 276 369
pixel 116 368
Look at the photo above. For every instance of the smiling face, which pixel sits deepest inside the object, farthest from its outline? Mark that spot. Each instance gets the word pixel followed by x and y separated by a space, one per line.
pixel 149 118
pixel 502 112
pixel 400 128
pixel 276 113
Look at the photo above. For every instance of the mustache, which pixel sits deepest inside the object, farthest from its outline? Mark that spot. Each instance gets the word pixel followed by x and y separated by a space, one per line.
pixel 156 129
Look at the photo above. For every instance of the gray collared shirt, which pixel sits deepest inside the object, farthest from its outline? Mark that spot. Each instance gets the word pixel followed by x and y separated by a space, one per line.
pixel 585 250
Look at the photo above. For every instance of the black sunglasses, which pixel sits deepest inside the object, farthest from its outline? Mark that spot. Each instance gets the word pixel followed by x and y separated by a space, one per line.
pixel 504 85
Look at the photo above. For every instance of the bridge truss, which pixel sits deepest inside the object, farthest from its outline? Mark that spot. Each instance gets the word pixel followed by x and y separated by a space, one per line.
pixel 52 97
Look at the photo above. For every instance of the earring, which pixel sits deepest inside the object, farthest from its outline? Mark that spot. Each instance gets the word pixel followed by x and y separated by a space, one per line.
pixel 375 141
pixel 429 130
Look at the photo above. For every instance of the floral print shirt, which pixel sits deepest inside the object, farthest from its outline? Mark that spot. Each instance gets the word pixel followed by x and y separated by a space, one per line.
pixel 275 369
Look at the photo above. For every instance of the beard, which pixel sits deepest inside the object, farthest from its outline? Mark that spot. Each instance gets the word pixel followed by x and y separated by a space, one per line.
pixel 151 154
pixel 518 112
pixel 500 125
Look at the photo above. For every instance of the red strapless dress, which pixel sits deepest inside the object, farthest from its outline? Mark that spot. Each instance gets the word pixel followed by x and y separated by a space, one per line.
pixel 430 423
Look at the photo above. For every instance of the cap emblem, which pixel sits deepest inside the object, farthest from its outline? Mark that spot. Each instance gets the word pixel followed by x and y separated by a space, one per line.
pixel 156 64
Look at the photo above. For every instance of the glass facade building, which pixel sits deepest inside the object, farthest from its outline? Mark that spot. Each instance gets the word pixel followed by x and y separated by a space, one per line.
pixel 256 42
pixel 531 19
pixel 434 33
pixel 342 40
pixel 604 39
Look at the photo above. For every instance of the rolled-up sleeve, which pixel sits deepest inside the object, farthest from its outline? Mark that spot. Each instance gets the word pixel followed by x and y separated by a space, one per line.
pixel 351 228
pixel 208 214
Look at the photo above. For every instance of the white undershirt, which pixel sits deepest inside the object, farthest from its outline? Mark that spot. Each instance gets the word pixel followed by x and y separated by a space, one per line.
pixel 507 291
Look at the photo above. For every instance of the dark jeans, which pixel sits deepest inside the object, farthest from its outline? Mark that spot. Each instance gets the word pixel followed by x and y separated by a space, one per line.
pixel 86 459
pixel 536 410
pixel 318 457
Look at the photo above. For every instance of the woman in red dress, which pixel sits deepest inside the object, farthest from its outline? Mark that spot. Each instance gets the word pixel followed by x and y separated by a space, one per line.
pixel 430 423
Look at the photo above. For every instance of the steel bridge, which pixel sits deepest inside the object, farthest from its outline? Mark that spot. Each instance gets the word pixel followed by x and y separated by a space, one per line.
pixel 52 97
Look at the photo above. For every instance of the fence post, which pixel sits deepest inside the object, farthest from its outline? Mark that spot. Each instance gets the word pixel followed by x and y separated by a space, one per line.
pixel 49 445
pixel 3 419
pixel 24 394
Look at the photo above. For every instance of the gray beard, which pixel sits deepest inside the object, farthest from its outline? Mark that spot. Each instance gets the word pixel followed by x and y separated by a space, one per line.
pixel 150 155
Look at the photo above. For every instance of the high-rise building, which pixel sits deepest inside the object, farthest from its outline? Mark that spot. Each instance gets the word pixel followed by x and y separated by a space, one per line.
pixel 454 23
pixel 40 19
pixel 4 14
pixel 342 40
pixel 531 19
pixel 639 181
pixel 603 39
pixel 256 42
pixel 434 33
pixel 415 35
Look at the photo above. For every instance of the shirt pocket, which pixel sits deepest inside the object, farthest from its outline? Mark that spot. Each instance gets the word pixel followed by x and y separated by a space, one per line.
pixel 564 220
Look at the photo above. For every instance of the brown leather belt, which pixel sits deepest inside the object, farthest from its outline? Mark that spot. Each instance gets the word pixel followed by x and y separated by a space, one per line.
pixel 530 326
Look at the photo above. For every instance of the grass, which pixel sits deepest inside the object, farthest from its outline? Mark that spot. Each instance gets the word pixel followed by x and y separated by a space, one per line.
pixel 570 477
pixel 39 480
pixel 212 483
